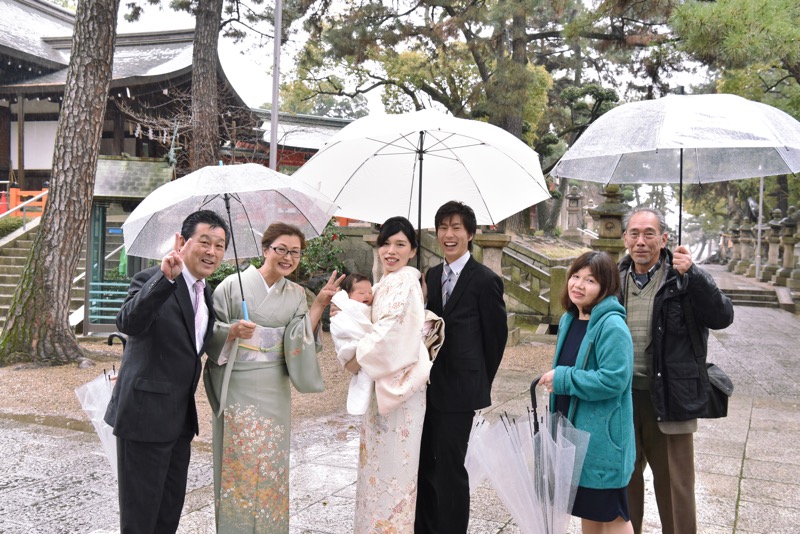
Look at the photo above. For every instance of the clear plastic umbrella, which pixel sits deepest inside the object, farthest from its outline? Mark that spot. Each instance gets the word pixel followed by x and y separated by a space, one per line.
pixel 472 463
pixel 94 397
pixel 380 166
pixel 254 195
pixel 535 466
pixel 250 197
pixel 685 139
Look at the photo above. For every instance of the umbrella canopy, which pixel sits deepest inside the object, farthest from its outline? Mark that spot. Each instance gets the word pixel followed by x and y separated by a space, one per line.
pixel 381 166
pixel 692 139
pixel 257 196
pixel 722 137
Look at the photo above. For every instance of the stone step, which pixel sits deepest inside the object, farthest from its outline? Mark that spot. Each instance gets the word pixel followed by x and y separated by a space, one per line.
pixel 769 297
pixel 14 261
pixel 15 251
pixel 75 301
pixel 753 297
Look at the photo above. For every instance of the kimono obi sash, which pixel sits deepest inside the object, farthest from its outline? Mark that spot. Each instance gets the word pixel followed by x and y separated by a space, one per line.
pixel 266 345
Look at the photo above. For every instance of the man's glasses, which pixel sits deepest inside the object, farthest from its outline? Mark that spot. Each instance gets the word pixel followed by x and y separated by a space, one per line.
pixel 648 236
pixel 283 251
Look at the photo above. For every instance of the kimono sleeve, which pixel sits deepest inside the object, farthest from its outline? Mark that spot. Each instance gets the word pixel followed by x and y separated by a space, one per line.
pixel 218 349
pixel 300 346
pixel 397 330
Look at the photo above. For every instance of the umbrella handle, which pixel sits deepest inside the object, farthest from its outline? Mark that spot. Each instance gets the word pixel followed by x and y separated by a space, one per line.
pixel 533 391
pixel 245 315
pixel 533 403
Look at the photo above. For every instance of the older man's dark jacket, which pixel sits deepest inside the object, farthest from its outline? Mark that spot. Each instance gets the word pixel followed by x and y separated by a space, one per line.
pixel 678 376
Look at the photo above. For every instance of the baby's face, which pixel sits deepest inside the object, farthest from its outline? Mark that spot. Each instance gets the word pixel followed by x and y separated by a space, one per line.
pixel 362 292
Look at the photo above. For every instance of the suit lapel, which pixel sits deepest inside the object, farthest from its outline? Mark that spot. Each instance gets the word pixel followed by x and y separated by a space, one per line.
pixel 435 289
pixel 185 304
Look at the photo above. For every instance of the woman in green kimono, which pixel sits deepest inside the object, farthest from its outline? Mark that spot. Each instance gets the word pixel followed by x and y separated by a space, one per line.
pixel 250 365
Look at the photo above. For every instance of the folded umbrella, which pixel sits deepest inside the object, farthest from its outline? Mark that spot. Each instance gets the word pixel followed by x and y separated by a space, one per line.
pixel 94 397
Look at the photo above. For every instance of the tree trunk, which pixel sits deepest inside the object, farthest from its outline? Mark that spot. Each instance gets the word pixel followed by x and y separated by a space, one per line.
pixel 551 222
pixel 205 117
pixel 37 327
pixel 511 114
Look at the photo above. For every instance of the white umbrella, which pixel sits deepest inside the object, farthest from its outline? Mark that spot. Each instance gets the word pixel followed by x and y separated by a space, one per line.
pixel 692 139
pixel 381 166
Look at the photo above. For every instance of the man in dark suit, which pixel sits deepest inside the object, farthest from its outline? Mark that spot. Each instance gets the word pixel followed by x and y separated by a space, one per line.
pixel 469 297
pixel 168 316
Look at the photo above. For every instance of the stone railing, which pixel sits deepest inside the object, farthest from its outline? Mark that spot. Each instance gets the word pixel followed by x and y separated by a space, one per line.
pixel 533 282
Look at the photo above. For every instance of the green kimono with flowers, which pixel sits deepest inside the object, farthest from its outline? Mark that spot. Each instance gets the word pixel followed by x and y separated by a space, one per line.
pixel 247 383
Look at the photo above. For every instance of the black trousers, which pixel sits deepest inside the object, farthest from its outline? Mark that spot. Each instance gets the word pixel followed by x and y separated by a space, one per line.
pixel 152 483
pixel 443 483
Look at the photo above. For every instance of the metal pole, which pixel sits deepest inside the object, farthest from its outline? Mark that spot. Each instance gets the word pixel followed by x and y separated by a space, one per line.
pixel 420 153
pixel 227 198
pixel 276 80
pixel 680 200
pixel 758 227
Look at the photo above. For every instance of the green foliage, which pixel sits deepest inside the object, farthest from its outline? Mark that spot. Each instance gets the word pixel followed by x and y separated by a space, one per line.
pixel 9 225
pixel 754 42
pixel 322 254
pixel 227 268
pixel 323 101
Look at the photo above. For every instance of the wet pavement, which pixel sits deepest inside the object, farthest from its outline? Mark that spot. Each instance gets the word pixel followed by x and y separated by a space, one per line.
pixel 56 480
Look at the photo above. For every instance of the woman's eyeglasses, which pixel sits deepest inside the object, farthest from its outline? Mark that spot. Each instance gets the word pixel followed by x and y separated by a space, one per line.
pixel 283 251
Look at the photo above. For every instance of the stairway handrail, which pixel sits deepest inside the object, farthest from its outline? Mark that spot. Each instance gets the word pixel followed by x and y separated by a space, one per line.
pixel 108 257
pixel 23 207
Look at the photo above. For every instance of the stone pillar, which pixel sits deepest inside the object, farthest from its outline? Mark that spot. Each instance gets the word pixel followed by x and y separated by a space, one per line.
pixel 788 239
pixel 492 245
pixel 774 241
pixel 572 231
pixel 736 250
pixel 588 222
pixel 759 254
pixel 746 247
pixel 609 222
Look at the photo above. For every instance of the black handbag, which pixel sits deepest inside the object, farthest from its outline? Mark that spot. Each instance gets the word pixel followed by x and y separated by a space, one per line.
pixel 721 388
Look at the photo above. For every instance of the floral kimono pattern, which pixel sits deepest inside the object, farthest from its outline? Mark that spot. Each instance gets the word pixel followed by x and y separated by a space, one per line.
pixel 248 386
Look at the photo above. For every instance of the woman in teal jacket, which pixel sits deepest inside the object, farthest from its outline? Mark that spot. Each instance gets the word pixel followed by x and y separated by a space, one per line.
pixel 591 384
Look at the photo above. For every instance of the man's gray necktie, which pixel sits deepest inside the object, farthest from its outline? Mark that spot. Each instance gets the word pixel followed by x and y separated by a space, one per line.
pixel 448 284
pixel 198 319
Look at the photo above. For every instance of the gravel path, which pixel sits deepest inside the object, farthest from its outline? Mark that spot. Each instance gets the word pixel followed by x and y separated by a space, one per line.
pixel 46 395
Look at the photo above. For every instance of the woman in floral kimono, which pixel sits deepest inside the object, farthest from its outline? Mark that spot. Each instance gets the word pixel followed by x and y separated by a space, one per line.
pixel 395 357
pixel 247 376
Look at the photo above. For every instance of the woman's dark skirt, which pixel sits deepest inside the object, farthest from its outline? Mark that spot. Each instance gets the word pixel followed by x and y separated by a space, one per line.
pixel 603 505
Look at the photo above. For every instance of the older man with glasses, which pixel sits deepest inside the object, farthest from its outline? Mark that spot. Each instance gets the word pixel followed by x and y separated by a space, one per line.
pixel 671 303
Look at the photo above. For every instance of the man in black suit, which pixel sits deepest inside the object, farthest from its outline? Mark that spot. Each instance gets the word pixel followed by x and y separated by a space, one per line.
pixel 168 316
pixel 469 297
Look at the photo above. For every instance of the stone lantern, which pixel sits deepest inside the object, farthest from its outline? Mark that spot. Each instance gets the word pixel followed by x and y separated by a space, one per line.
pixel 572 231
pixel 736 248
pixel 787 275
pixel 609 222
pixel 774 243
pixel 746 247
